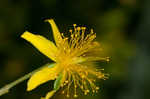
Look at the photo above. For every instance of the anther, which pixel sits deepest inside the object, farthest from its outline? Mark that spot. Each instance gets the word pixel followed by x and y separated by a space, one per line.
pixel 102 69
pixel 75 95
pixel 93 91
pixel 97 88
pixel 74 25
pixel 92 31
pixel 72 35
pixel 78 28
pixel 66 81
pixel 87 91
pixel 76 35
pixel 66 38
pixel 63 92
pixel 68 95
pixel 75 86
pixel 70 31
pixel 81 86
pixel 83 28
pixel 83 55
pixel 107 59
pixel 100 76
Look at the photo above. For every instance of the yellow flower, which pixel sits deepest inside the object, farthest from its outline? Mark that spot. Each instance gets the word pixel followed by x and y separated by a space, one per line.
pixel 74 57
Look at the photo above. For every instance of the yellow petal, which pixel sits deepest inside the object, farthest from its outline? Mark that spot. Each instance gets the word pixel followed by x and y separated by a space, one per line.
pixel 42 76
pixel 45 46
pixel 56 33
pixel 49 94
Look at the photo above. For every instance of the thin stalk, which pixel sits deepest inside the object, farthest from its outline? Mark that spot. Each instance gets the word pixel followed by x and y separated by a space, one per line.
pixel 7 87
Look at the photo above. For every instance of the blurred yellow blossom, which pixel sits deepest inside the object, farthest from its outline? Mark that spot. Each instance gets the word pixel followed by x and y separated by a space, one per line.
pixel 74 57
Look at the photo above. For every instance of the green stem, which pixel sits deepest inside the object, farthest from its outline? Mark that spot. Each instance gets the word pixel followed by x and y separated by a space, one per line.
pixel 7 87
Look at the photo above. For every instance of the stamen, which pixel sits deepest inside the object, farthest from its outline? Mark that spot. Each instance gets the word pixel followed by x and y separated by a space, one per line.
pixel 78 28
pixel 63 92
pixel 107 59
pixel 75 96
pixel 81 46
pixel 74 25
pixel 68 95
pixel 97 88
pixel 70 31
pixel 92 31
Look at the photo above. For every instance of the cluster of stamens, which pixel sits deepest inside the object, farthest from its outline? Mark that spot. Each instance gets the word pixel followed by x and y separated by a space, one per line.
pixel 82 78
pixel 78 75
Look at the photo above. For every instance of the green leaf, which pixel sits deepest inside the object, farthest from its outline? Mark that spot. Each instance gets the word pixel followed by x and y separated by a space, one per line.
pixel 51 65
pixel 57 82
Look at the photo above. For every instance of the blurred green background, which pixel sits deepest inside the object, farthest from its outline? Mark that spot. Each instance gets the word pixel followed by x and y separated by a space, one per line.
pixel 122 27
